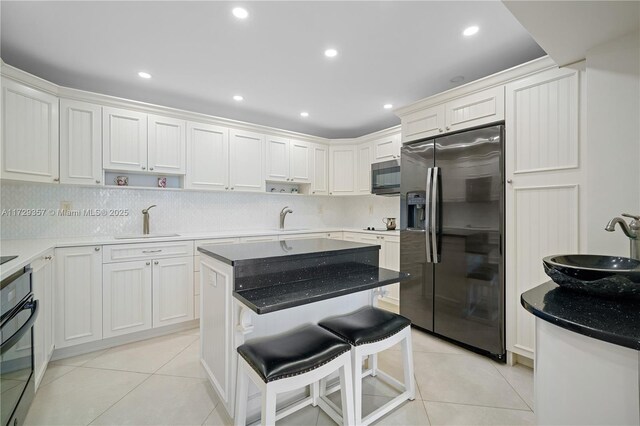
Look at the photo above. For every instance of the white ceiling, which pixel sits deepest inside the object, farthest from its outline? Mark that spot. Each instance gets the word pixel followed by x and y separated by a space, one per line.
pixel 567 29
pixel 200 55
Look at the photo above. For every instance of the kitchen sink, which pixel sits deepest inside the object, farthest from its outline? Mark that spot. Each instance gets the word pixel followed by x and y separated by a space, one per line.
pixel 595 274
pixel 145 236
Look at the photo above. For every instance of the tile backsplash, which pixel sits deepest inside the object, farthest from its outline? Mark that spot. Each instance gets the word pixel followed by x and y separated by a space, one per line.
pixel 176 211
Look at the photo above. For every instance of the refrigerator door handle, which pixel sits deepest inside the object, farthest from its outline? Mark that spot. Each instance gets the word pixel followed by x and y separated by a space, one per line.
pixel 434 209
pixel 427 234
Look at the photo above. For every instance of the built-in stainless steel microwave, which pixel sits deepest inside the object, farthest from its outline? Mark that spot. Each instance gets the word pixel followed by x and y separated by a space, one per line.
pixel 385 177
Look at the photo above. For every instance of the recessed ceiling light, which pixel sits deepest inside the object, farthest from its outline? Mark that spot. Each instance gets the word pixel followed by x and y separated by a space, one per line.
pixel 238 98
pixel 457 79
pixel 240 13
pixel 144 74
pixel 469 31
pixel 304 114
pixel 330 53
pixel 387 106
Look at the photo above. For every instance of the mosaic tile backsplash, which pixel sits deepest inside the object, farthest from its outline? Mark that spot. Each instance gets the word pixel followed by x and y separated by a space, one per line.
pixel 178 211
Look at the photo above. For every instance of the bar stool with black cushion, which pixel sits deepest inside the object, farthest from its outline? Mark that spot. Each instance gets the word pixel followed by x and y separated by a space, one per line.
pixel 291 361
pixel 370 331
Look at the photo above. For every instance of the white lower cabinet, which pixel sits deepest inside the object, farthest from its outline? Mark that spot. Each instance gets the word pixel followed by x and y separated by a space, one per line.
pixel 173 300
pixel 78 295
pixel 42 282
pixel 150 293
pixel 126 297
pixel 389 256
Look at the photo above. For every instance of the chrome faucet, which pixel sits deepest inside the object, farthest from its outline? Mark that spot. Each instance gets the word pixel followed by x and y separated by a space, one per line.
pixel 631 230
pixel 145 219
pixel 283 214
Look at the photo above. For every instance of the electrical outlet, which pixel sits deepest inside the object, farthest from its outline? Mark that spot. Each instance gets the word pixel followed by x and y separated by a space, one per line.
pixel 370 208
pixel 66 206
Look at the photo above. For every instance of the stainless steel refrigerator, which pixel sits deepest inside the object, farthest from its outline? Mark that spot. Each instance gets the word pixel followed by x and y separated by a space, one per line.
pixel 451 237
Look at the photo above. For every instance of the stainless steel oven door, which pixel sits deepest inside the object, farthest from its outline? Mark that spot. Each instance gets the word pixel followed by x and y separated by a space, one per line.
pixel 16 361
pixel 385 177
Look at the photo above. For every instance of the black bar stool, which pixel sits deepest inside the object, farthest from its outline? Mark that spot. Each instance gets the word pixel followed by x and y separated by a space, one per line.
pixel 370 331
pixel 291 361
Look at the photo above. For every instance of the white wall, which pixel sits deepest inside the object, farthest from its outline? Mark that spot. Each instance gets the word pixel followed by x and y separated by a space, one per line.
pixel 368 210
pixel 613 140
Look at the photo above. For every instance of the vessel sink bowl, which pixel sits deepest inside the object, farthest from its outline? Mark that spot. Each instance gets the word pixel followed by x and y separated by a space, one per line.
pixel 145 236
pixel 610 276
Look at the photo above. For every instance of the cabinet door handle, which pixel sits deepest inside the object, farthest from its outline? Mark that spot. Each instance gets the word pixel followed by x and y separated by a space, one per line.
pixel 97 248
pixel 440 130
pixel 48 257
pixel 509 181
pixel 144 168
pixel 97 180
pixel 148 263
pixel 155 262
pixel 448 128
pixel 56 179
pixel 226 187
pixel 152 251
pixel 150 168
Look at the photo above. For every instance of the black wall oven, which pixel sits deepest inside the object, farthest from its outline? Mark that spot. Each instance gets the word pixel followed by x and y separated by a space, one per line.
pixel 18 313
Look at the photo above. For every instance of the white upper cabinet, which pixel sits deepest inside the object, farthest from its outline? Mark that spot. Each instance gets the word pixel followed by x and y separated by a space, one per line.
pixel 342 170
pixel 473 110
pixel 387 148
pixel 80 142
pixel 277 159
pixel 124 139
pixel 246 161
pixel 300 161
pixel 139 142
pixel 166 145
pixel 207 157
pixel 320 170
pixel 29 133
pixel 288 160
pixel 423 123
pixel 363 177
pixel 484 107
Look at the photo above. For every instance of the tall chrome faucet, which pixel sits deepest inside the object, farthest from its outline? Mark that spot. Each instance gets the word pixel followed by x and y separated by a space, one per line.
pixel 283 215
pixel 631 230
pixel 145 219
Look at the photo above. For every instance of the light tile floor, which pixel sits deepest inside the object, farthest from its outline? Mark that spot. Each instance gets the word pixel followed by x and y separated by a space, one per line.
pixel 161 382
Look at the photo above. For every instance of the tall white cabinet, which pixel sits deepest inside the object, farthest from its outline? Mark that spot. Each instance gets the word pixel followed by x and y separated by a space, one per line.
pixel 78 295
pixel 42 282
pixel 207 157
pixel 80 142
pixel 246 161
pixel 544 175
pixel 29 133
pixel 319 169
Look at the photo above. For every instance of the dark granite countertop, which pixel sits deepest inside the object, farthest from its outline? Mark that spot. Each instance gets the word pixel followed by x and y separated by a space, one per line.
pixel 282 296
pixel 615 321
pixel 242 254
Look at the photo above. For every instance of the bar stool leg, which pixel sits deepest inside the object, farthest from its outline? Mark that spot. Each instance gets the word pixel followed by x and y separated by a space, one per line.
pixel 373 364
pixel 356 364
pixel 407 358
pixel 242 395
pixel 268 415
pixel 346 390
pixel 315 393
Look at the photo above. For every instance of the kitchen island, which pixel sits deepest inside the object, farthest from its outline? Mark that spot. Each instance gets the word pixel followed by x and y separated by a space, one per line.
pixel 262 289
pixel 587 365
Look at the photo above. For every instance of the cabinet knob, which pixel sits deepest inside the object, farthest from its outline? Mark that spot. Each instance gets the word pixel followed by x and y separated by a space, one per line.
pixel 440 130
pixel 97 248
pixel 155 262
pixel 150 168
pixel 48 257
pixel 56 179
pixel 144 168
pixel 509 181
pixel 97 180
pixel 226 187
pixel 448 128
pixel 148 263
pixel 232 188
pixel 313 192
pixel 331 193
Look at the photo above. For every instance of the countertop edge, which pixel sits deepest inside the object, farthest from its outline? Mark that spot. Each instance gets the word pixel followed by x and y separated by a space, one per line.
pixel 584 330
pixel 36 247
